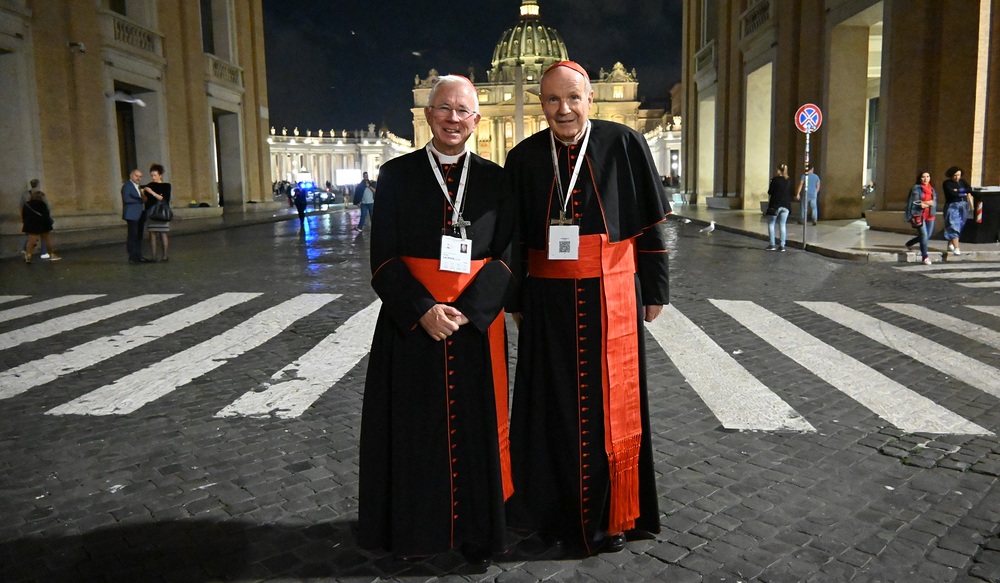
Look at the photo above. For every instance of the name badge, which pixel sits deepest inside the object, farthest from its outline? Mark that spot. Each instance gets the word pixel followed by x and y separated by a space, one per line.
pixel 564 242
pixel 456 254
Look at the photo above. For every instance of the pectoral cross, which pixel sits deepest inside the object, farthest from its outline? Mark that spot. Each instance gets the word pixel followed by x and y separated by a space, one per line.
pixel 461 223
pixel 562 220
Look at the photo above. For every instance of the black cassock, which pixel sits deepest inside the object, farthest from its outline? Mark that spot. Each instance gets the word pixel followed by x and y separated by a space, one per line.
pixel 430 476
pixel 562 483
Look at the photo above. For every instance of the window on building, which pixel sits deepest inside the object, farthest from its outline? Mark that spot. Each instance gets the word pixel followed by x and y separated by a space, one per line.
pixel 207 27
pixel 484 96
pixel 618 92
pixel 872 134
pixel 118 6
pixel 507 95
pixel 709 21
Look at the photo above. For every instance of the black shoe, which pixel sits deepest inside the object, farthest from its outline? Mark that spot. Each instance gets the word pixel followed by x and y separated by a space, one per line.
pixel 476 554
pixel 610 543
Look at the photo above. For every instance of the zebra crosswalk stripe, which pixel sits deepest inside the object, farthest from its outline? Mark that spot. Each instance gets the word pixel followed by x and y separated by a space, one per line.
pixel 736 397
pixel 964 274
pixel 992 310
pixel 131 392
pixel 921 268
pixel 890 400
pixel 980 284
pixel 297 386
pixel 76 320
pixel 978 333
pixel 930 353
pixel 5 299
pixel 44 306
pixel 22 378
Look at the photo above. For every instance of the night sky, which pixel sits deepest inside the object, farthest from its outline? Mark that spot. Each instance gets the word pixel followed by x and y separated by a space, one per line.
pixel 342 64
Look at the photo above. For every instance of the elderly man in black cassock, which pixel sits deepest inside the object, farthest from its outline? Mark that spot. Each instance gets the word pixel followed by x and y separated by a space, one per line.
pixel 435 462
pixel 589 202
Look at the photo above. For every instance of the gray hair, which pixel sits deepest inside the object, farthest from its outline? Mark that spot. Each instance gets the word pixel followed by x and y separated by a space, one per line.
pixel 453 80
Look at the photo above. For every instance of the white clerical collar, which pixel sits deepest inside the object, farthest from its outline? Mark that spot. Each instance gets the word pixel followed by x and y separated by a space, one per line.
pixel 444 158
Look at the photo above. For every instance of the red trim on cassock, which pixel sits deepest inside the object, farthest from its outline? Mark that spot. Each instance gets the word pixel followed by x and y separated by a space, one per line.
pixel 615 265
pixel 446 287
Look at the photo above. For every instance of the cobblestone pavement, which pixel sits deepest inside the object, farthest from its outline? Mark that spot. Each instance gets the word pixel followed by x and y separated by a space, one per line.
pixel 807 426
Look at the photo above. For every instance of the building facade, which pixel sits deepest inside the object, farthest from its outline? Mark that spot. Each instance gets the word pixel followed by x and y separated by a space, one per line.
pixel 92 89
pixel 508 98
pixel 903 86
pixel 339 158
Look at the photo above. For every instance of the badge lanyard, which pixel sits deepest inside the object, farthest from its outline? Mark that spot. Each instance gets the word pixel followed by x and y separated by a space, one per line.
pixel 564 200
pixel 456 205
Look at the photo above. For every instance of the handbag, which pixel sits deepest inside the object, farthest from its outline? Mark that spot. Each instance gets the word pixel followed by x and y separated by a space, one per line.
pixel 161 211
pixel 917 220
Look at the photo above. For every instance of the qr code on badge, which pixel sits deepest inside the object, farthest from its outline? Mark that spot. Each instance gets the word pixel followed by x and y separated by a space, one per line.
pixel 563 246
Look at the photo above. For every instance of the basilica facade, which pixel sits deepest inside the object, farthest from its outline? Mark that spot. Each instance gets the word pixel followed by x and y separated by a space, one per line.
pixel 511 110
pixel 508 103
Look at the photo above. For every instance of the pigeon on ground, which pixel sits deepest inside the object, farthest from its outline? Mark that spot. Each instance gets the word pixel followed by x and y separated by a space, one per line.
pixel 685 220
pixel 125 97
pixel 708 230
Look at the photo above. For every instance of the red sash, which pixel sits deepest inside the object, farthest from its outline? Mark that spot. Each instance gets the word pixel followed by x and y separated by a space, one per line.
pixel 446 286
pixel 615 265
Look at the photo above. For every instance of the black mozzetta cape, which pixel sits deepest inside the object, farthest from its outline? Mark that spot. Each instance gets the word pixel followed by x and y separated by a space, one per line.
pixel 430 474
pixel 631 198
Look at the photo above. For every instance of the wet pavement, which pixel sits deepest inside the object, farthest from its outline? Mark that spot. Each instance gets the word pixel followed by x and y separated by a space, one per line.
pixel 806 427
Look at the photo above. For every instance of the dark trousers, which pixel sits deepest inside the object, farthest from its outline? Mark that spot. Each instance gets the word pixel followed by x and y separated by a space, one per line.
pixel 134 242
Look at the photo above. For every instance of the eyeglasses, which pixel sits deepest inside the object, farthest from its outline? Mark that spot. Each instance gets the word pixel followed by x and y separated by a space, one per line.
pixel 443 111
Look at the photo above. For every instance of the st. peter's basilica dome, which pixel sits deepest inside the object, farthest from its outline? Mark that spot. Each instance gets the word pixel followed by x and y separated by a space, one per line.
pixel 529 43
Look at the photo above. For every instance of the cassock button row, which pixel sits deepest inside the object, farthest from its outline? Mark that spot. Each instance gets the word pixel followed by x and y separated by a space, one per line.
pixel 576 191
pixel 578 215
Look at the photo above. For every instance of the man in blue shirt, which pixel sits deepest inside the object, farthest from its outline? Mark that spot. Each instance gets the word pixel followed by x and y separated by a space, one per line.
pixel 810 182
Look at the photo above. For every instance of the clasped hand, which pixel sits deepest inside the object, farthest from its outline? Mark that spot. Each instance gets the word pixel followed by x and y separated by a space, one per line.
pixel 441 321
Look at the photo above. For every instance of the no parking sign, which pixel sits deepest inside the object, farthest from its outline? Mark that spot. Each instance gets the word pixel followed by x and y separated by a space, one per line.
pixel 808 118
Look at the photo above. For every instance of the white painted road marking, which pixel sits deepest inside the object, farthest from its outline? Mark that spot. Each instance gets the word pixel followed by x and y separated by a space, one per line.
pixel 978 333
pixel 980 284
pixel 296 387
pixel 992 310
pixel 736 397
pixel 22 378
pixel 964 275
pixel 952 363
pixel 890 400
pixel 43 306
pixel 921 268
pixel 141 387
pixel 76 320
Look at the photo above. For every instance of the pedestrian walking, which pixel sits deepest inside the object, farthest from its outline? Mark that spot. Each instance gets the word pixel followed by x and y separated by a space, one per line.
pixel 37 223
pixel 34 185
pixel 920 209
pixel 299 196
pixel 810 183
pixel 779 204
pixel 957 205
